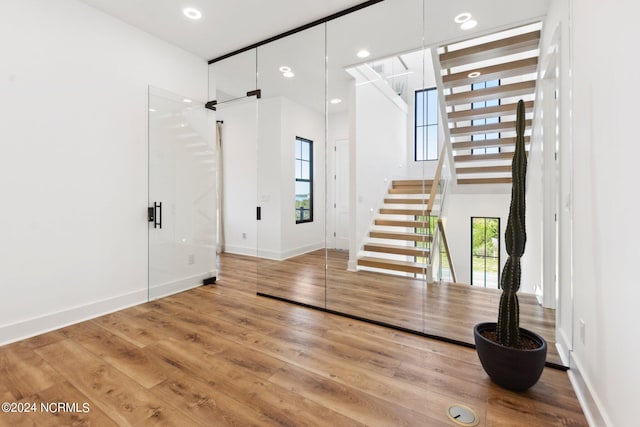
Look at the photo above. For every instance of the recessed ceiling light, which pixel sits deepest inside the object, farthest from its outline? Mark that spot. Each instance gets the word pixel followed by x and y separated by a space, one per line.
pixel 186 101
pixel 192 13
pixel 462 17
pixel 467 25
pixel 363 53
pixel 152 110
pixel 285 69
pixel 336 101
pixel 474 74
pixel 288 74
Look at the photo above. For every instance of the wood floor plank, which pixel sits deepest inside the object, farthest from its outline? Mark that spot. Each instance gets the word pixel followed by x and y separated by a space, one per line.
pixel 234 384
pixel 140 365
pixel 126 402
pixel 205 403
pixel 79 415
pixel 351 402
pixel 24 373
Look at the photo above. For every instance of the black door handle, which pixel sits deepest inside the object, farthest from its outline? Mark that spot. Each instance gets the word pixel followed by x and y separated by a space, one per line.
pixel 154 214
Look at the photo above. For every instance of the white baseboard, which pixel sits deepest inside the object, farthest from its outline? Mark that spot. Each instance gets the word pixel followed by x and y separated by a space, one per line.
pixel 52 321
pixel 588 398
pixel 301 250
pixel 240 250
pixel 176 286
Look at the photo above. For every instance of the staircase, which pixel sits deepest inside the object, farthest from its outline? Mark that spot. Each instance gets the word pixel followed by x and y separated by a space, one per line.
pixel 400 233
pixel 482 80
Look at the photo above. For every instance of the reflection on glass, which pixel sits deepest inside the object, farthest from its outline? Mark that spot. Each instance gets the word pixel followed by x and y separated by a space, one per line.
pixel 485 252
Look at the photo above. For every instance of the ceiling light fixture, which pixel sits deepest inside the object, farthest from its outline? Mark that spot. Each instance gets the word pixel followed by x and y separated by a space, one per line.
pixel 363 53
pixel 474 74
pixel 336 101
pixel 462 17
pixel 285 69
pixel 467 25
pixel 192 13
pixel 186 101
pixel 152 110
pixel 288 74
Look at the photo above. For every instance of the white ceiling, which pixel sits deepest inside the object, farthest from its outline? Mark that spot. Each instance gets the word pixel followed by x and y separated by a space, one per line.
pixel 226 25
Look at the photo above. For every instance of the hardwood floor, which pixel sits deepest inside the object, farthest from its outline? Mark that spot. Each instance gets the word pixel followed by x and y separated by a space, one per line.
pixel 221 356
pixel 448 310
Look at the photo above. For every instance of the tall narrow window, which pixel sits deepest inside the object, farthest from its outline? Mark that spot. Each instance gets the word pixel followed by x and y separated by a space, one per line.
pixel 491 120
pixel 426 125
pixel 485 252
pixel 304 180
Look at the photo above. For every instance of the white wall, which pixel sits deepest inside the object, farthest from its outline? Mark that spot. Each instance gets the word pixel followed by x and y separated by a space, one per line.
pixel 606 232
pixel 73 163
pixel 380 155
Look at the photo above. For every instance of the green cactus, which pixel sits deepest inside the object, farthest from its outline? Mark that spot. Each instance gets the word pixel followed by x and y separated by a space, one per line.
pixel 508 329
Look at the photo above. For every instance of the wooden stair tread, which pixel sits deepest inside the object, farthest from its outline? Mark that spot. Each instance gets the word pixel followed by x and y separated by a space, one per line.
pixel 485 181
pixel 396 183
pixel 487 112
pixel 396 223
pixel 483 157
pixel 413 237
pixel 488 143
pixel 388 264
pixel 405 201
pixel 488 94
pixel 491 50
pixel 488 128
pixel 483 169
pixel 410 190
pixel 414 212
pixel 397 250
pixel 493 72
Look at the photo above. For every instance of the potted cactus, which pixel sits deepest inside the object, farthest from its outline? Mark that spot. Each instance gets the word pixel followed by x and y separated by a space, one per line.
pixel 513 357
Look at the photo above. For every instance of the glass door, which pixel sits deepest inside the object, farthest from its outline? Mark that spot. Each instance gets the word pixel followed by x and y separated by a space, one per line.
pixel 182 193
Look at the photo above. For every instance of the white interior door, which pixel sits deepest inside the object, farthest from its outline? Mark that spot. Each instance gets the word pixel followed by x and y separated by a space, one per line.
pixel 341 192
pixel 182 194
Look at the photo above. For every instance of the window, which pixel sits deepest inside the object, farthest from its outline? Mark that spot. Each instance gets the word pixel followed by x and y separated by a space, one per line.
pixel 426 125
pixel 485 252
pixel 304 180
pixel 492 120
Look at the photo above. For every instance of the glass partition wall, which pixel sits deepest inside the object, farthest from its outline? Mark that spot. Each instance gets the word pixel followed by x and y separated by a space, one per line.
pixel 291 167
pixel 333 138
pixel 376 238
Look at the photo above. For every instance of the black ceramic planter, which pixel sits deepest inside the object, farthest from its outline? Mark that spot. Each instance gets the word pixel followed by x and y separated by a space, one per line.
pixel 508 367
